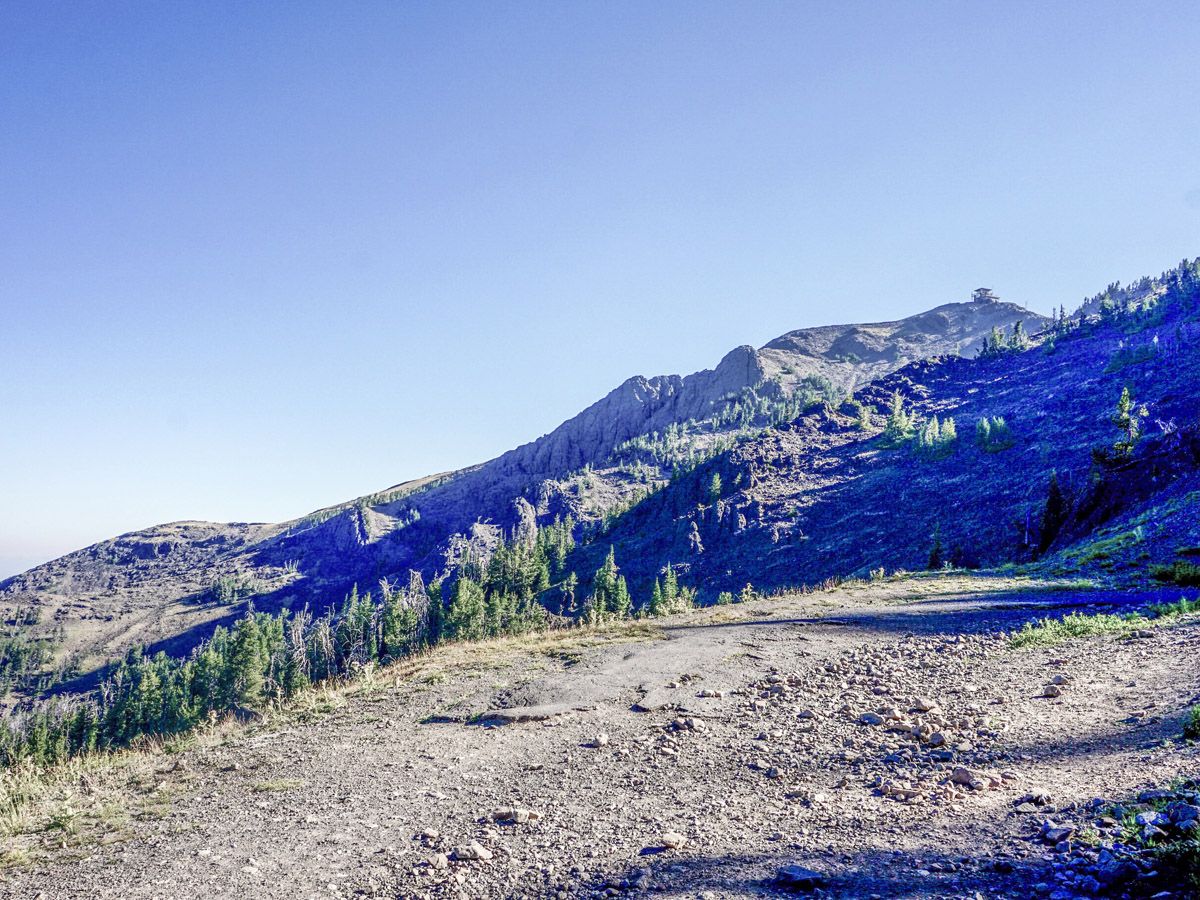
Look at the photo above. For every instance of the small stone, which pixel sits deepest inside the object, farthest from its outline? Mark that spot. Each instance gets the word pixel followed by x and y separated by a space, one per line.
pixel 515 814
pixel 473 851
pixel 673 840
pixel 1054 834
pixel 870 718
pixel 438 861
pixel 600 740
pixel 1052 690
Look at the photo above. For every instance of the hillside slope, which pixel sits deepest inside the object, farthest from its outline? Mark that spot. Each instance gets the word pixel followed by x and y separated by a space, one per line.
pixel 168 586
pixel 822 497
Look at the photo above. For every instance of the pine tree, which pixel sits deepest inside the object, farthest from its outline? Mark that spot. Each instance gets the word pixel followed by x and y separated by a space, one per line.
pixel 622 603
pixel 1054 515
pixel 935 553
pixel 1019 340
pixel 714 488
pixel 604 588
pixel 983 433
pixel 899 426
pixel 670 589
pixel 656 599
pixel 466 619
pixel 949 431
pixel 1128 418
pixel 245 662
pixel 570 605
pixel 435 612
pixel 864 417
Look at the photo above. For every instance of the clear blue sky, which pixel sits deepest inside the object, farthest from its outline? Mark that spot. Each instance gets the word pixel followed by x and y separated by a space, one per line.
pixel 260 257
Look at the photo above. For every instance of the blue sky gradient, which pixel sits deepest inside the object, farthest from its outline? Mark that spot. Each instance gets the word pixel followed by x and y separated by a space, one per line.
pixel 256 258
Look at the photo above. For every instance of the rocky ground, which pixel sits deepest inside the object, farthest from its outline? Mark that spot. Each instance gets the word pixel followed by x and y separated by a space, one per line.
pixel 882 740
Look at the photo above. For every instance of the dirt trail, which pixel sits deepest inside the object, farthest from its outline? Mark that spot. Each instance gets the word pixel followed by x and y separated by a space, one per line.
pixel 753 749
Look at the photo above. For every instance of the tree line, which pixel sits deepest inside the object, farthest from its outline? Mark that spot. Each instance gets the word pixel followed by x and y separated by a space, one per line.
pixel 264 659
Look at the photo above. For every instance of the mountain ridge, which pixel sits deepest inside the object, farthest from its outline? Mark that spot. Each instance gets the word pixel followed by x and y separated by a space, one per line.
pixel 148 586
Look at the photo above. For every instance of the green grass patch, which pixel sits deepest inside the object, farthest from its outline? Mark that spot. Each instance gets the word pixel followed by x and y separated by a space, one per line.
pixel 1181 607
pixel 1106 548
pixel 1184 574
pixel 1191 724
pixel 1044 632
pixel 1048 631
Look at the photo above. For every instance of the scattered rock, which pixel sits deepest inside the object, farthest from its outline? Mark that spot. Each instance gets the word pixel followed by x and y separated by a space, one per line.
pixel 673 840
pixel 798 878
pixel 473 851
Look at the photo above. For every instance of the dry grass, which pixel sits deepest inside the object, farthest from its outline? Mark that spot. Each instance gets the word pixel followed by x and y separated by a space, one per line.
pixel 90 799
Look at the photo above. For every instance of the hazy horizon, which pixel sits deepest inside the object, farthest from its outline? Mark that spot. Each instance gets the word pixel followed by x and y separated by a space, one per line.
pixel 261 260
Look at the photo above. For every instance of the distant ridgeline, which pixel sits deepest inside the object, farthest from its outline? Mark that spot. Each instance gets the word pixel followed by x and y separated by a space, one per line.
pixel 976 434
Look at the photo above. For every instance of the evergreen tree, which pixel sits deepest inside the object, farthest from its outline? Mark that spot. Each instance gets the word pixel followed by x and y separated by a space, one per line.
pixel 610 593
pixel 622 603
pixel 935 552
pixel 656 599
pixel 864 417
pixel 245 669
pixel 1128 419
pixel 993 434
pixel 993 343
pixel 1019 340
pixel 467 617
pixel 570 605
pixel 1054 515
pixel 714 488
pixel 949 431
pixel 983 433
pixel 899 426
pixel 435 614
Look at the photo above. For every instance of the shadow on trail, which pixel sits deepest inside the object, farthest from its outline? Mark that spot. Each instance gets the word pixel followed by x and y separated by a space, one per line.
pixel 954 614
pixel 927 871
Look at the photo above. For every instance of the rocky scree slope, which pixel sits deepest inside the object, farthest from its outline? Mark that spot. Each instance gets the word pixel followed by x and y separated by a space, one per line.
pixel 167 587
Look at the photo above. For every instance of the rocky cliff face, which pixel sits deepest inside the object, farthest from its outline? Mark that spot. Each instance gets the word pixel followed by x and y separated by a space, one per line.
pixel 639 406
